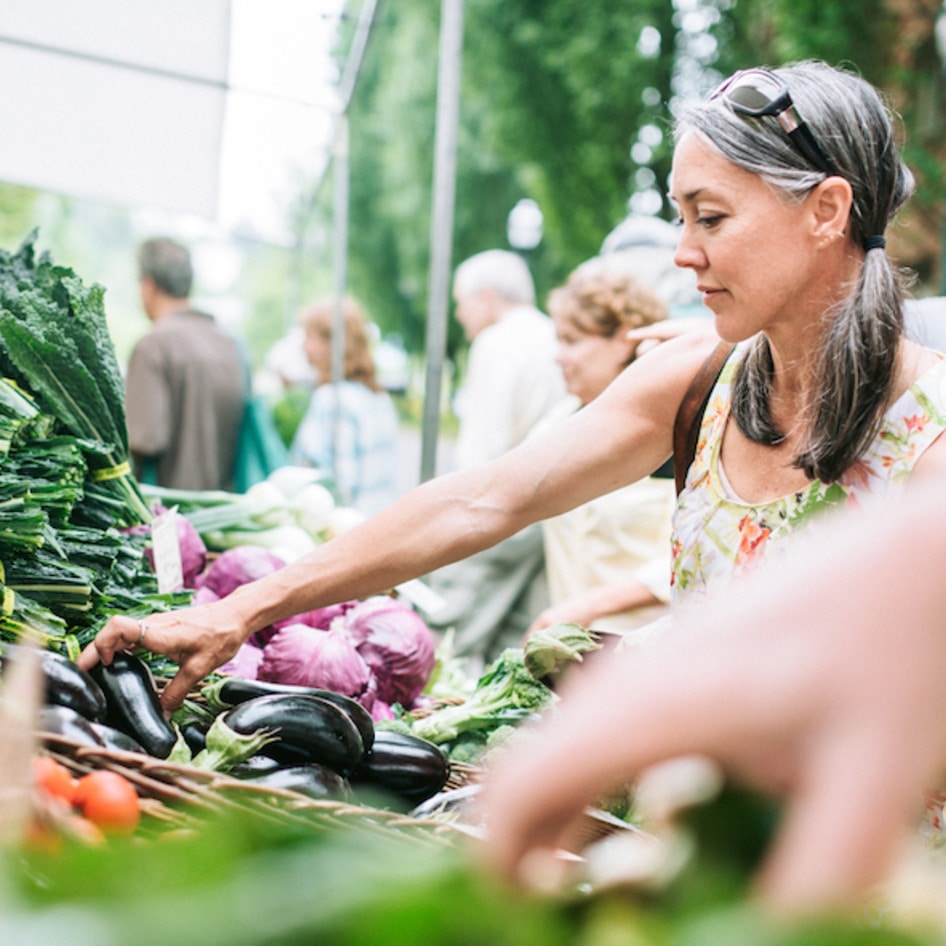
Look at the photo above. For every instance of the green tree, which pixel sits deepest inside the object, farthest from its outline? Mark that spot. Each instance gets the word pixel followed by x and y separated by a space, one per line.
pixel 552 98
pixel 570 104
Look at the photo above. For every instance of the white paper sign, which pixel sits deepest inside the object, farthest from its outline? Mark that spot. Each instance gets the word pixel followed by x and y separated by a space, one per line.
pixel 167 552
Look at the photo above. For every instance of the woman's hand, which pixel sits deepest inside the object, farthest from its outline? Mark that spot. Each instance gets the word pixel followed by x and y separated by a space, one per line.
pixel 650 336
pixel 575 610
pixel 586 607
pixel 198 639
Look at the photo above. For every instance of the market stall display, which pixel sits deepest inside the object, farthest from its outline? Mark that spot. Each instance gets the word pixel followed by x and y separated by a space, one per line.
pixel 331 768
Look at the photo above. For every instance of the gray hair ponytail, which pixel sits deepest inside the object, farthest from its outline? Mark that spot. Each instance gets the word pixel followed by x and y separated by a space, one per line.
pixel 857 360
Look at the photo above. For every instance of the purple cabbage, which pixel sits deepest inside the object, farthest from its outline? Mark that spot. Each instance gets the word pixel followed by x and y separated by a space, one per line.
pixel 244 663
pixel 396 644
pixel 320 618
pixel 380 711
pixel 238 566
pixel 204 595
pixel 304 656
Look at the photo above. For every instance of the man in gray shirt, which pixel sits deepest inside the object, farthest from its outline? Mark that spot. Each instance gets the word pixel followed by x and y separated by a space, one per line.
pixel 186 386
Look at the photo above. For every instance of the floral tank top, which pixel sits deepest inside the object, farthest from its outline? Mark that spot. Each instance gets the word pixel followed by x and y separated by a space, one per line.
pixel 717 537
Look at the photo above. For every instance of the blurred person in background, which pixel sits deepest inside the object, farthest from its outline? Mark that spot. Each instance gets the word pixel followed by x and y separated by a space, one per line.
pixel 925 321
pixel 286 380
pixel 186 383
pixel 350 428
pixel 511 382
pixel 608 561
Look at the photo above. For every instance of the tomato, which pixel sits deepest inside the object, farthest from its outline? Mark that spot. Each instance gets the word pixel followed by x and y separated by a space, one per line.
pixel 108 800
pixel 53 778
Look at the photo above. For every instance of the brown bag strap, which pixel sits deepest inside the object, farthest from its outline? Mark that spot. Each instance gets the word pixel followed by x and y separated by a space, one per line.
pixel 686 426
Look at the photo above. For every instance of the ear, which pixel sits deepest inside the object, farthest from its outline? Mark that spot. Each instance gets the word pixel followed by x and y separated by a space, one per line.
pixel 830 206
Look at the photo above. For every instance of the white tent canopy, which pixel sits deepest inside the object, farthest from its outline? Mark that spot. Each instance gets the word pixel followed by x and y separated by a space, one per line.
pixel 213 108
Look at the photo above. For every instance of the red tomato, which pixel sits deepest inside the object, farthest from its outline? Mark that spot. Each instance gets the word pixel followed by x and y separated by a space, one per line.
pixel 54 778
pixel 108 800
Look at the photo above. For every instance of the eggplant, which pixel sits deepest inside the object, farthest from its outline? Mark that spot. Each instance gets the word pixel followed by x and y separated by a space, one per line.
pixel 66 722
pixel 115 739
pixel 311 779
pixel 65 683
pixel 195 735
pixel 255 765
pixel 315 728
pixel 134 707
pixel 235 690
pixel 404 765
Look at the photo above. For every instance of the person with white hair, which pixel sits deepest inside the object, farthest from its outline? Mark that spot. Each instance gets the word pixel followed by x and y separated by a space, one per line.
pixel 511 377
pixel 511 381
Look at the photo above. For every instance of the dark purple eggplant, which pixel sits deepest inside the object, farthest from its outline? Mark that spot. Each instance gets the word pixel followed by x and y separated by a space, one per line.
pixel 133 703
pixel 311 779
pixel 65 683
pixel 66 722
pixel 235 690
pixel 404 765
pixel 317 729
pixel 195 735
pixel 255 765
pixel 115 739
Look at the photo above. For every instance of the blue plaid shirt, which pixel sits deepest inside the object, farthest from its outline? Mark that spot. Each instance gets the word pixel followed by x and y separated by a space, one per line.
pixel 350 433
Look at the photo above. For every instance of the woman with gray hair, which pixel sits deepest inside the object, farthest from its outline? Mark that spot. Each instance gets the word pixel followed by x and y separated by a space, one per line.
pixel 822 403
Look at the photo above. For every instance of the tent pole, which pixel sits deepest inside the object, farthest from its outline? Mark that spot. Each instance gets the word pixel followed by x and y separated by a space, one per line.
pixel 441 231
pixel 340 174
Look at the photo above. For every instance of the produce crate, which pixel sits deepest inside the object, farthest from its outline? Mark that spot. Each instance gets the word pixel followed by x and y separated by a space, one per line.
pixel 180 796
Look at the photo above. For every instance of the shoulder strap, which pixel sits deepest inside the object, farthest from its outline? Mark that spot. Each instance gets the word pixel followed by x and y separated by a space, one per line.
pixel 686 426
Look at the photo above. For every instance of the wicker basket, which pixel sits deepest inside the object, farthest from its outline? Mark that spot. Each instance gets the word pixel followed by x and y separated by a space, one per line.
pixel 177 796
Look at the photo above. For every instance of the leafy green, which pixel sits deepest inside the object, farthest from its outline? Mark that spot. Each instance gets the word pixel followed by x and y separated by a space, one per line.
pixel 54 343
pixel 505 693
pixel 550 649
pixel 246 878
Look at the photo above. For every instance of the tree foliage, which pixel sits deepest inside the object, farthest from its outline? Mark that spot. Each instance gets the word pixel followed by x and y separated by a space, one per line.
pixel 555 99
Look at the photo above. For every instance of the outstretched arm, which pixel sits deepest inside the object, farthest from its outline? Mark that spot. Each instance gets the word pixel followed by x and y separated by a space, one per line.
pixel 622 436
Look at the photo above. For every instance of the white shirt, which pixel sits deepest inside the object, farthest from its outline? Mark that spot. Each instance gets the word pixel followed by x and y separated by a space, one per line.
pixel 925 321
pixel 511 382
pixel 621 536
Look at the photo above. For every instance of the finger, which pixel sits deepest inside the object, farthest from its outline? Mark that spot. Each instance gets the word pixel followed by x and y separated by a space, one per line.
pixel 177 689
pixel 89 656
pixel 119 633
pixel 523 829
pixel 844 828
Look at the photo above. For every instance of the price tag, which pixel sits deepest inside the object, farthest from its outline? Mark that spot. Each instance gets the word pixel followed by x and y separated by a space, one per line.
pixel 167 552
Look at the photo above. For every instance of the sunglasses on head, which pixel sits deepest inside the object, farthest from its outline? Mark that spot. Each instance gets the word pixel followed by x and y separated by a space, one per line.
pixel 758 92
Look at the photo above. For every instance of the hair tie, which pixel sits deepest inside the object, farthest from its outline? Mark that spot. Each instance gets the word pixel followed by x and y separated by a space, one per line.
pixel 874 243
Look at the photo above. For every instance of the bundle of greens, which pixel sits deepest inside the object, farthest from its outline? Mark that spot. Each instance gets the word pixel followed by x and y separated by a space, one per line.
pixel 504 695
pixel 54 343
pixel 73 520
pixel 550 650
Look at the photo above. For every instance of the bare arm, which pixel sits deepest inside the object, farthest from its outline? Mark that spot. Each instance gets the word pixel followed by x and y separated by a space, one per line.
pixel 623 435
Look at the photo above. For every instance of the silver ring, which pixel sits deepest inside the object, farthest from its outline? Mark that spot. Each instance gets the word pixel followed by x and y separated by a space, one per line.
pixel 143 626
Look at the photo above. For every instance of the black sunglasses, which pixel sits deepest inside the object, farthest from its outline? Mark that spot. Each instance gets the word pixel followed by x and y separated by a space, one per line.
pixel 758 92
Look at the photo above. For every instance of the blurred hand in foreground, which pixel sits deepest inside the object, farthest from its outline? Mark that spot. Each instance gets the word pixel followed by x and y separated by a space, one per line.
pixel 821 681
